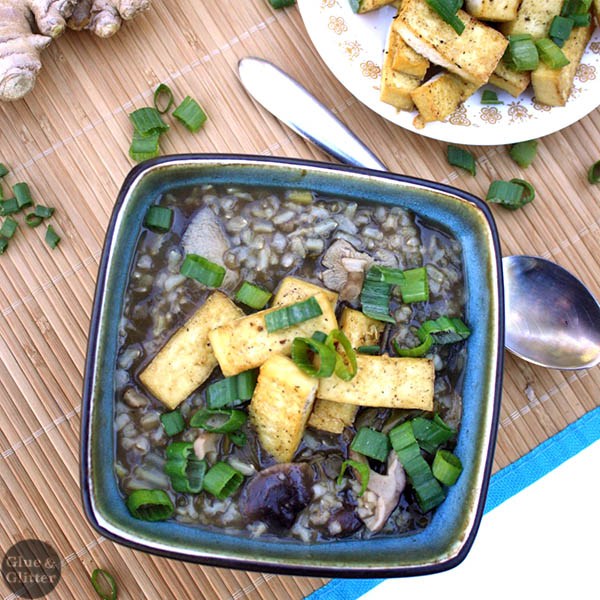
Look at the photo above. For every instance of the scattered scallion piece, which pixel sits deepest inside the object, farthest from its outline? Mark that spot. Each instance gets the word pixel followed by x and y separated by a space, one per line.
pixel 162 94
pixel 222 480
pixel 446 467
pixel 375 296
pixel 371 443
pixel 432 433
pixel 560 30
pixel 528 190
pixel 302 197
pixel 231 391
pixel 144 147
pixel 458 157
pixel 104 584
pixel 9 207
pixel 490 97
pixel 218 420
pixel 593 174
pixel 320 336
pixel 551 54
pixel 190 113
pixel 363 472
pixel 172 422
pixel 253 295
pixel 8 228
pixel 52 238
pixel 345 365
pixel 301 355
pixel 22 195
pixel 292 314
pixel 444 330
pixel 281 3
pixel 238 438
pixel 3 170
pixel 507 194
pixel 523 153
pixel 159 219
pixel 582 20
pixel 147 121
pixel 202 270
pixel 150 505
pixel 415 351
pixel 185 471
pixel 447 10
pixel 522 53
pixel 373 350
pixel 45 212
pixel 415 287
pixel 32 220
pixel 575 7
pixel 3 245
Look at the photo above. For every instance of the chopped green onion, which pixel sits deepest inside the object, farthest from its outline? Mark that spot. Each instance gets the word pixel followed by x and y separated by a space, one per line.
pixel 9 207
pixel 202 270
pixel 458 157
pixel 218 420
pixel 490 97
pixel 150 505
pixel 560 30
pixel 22 195
pixel 447 10
pixel 172 422
pixel 292 314
pixel 104 584
pixel 3 245
pixel 147 121
pixel 32 220
pixel 159 219
pixel 594 173
pixel 8 228
pixel 327 357
pixel 415 287
pixel 446 467
pixel 375 296
pixel 45 212
pixel 190 113
pixel 363 472
pixel 507 194
pixel 575 7
pixel 185 471
pixel 281 3
pixel 253 295
pixel 528 190
pixel 345 365
pixel 373 350
pixel 551 54
pixel 522 53
pixel 371 443
pixel 163 91
pixel 319 336
pixel 582 20
pixel 431 433
pixel 222 480
pixel 237 437
pixel 52 238
pixel 415 351
pixel 444 330
pixel 144 147
pixel 303 197
pixel 523 153
pixel 3 170
pixel 232 390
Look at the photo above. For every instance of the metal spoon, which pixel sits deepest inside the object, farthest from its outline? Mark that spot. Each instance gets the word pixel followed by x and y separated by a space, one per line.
pixel 552 319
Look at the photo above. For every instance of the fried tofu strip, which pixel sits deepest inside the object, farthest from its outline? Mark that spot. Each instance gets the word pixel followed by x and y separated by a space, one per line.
pixel 513 82
pixel 534 17
pixel 280 406
pixel 553 86
pixel 473 55
pixel 363 6
pixel 404 59
pixel 246 344
pixel 294 289
pixel 360 331
pixel 384 381
pixel 187 359
pixel 493 10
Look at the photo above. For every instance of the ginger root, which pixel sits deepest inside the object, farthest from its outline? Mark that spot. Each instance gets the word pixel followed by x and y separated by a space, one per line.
pixel 28 26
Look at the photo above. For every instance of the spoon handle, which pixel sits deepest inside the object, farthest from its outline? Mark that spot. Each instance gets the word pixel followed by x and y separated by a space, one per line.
pixel 292 104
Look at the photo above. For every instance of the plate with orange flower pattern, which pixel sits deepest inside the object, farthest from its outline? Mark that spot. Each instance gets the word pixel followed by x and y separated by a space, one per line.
pixel 352 47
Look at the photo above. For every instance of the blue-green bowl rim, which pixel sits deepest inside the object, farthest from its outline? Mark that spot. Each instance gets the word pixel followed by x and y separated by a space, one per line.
pixel 265 566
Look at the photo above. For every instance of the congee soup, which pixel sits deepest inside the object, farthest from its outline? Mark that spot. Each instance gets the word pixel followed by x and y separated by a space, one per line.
pixel 289 365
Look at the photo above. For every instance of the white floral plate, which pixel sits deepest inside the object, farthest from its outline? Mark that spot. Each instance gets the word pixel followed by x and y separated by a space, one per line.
pixel 352 45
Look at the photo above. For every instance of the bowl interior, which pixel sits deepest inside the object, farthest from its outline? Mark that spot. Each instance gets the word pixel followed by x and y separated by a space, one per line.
pixel 447 539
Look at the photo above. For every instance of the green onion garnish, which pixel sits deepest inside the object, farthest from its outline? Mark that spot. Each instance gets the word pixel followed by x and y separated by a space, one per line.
pixel 281 3
pixel 22 195
pixel 522 53
pixel 159 219
pixel 375 296
pixel 190 113
pixel 302 350
pixel 431 433
pixel 508 194
pixel 594 173
pixel 446 467
pixel 222 480
pixel 551 54
pixel 575 7
pixel 373 350
pixel 253 295
pixel 163 98
pixel 528 190
pixel 363 472
pixel 104 584
pixel 345 365
pixel 581 20
pixel 144 147
pixel 218 420
pixel 9 207
pixel 3 245
pixel 415 351
pixel 523 153
pixel 32 220
pixel 8 228
pixel 185 471
pixel 172 422
pixel 52 238
pixel 232 390
pixel 150 505
pixel 147 121
pixel 202 270
pixel 415 287
pixel 447 10
pixel 292 314
pixel 238 438
pixel 371 443
pixel 461 158
pixel 490 97
pixel 444 330
pixel 3 170
pixel 45 212
pixel 560 30
pixel 320 336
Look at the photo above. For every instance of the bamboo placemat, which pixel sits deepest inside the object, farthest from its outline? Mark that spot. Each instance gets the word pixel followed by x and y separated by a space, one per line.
pixel 69 140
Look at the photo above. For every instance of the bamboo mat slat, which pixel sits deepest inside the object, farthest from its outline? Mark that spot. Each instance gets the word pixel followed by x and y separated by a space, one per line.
pixel 69 140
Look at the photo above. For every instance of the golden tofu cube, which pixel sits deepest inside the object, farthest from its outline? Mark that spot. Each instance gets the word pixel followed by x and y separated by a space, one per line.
pixel 384 382
pixel 280 405
pixel 493 10
pixel 553 86
pixel 187 359
pixel 246 344
pixel 360 329
pixel 513 82
pixel 363 6
pixel 294 289
pixel 533 17
pixel 332 416
pixel 404 59
pixel 472 55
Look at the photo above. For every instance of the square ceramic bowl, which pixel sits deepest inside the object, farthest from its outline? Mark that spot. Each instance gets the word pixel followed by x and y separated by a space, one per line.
pixel 447 539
